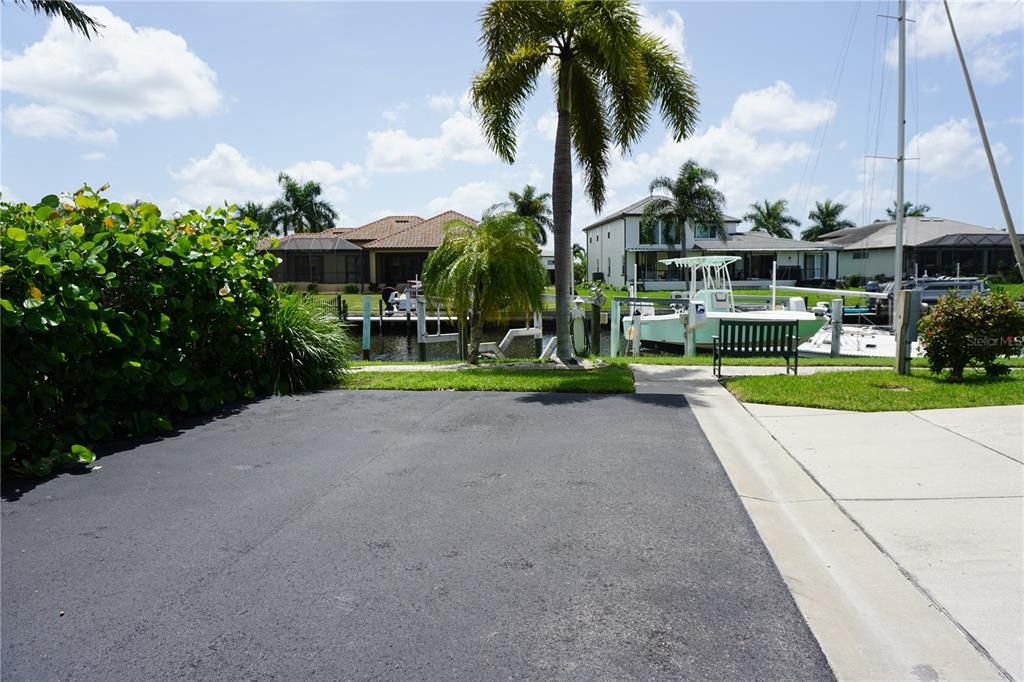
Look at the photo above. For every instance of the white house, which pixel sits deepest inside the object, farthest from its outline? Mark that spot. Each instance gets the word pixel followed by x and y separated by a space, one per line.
pixel 616 243
pixel 933 245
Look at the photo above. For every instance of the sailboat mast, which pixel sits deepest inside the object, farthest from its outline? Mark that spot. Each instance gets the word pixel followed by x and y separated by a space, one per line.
pixel 901 124
pixel 1014 239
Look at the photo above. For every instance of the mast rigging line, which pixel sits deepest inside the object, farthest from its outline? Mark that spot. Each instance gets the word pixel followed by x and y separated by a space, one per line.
pixel 823 124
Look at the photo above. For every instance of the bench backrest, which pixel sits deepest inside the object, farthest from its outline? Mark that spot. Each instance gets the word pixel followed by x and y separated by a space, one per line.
pixel 758 337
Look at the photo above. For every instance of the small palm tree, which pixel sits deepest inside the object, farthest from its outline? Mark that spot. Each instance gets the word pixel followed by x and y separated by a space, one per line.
pixel 692 198
pixel 579 263
pixel 257 213
pixel 301 207
pixel 608 75
pixel 486 271
pixel 826 217
pixel 529 204
pixel 771 217
pixel 75 18
pixel 910 210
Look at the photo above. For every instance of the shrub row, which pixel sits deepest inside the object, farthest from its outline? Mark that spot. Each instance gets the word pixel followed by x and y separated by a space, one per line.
pixel 116 320
pixel 974 330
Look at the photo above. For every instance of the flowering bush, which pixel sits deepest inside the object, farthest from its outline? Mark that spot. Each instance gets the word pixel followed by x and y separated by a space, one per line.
pixel 976 330
pixel 115 320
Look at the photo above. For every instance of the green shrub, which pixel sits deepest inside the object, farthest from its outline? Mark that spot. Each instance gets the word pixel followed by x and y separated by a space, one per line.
pixel 351 288
pixel 116 320
pixel 307 348
pixel 976 330
pixel 855 280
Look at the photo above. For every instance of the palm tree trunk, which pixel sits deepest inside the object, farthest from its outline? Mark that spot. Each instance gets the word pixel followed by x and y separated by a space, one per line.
pixel 561 208
pixel 475 332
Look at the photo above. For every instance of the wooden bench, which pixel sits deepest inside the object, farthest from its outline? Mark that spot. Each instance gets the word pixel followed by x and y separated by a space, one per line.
pixel 756 338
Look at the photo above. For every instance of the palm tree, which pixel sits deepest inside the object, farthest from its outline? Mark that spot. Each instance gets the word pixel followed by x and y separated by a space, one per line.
pixel 608 74
pixel 301 207
pixel 257 213
pixel 826 217
pixel 579 263
pixel 529 204
pixel 771 217
pixel 909 210
pixel 692 198
pixel 75 18
pixel 486 271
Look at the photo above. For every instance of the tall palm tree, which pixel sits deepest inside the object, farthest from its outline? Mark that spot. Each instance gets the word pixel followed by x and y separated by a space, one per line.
pixel 75 18
pixel 258 213
pixel 691 198
pixel 771 217
pixel 910 210
pixel 826 217
pixel 301 207
pixel 536 207
pixel 608 74
pixel 486 271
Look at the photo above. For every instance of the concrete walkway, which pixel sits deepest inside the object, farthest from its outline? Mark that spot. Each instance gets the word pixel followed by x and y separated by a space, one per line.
pixel 899 533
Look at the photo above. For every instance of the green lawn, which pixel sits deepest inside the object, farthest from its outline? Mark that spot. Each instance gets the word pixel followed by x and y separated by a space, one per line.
pixel 1016 291
pixel 878 390
pixel 603 380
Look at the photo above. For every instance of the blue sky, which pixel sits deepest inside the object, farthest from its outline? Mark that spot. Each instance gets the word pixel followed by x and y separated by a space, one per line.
pixel 187 104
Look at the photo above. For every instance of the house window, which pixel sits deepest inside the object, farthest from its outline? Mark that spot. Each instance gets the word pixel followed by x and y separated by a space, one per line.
pixel 860 255
pixel 669 232
pixel 648 233
pixel 609 234
pixel 704 232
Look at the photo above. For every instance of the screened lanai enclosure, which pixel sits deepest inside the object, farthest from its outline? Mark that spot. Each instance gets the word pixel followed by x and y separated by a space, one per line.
pixel 320 259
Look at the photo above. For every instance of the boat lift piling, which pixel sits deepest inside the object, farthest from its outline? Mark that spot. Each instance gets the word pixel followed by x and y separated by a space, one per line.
pixel 367 307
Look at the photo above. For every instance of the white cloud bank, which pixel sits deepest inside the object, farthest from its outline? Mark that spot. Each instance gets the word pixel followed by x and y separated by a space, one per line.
pixel 127 74
pixel 395 150
pixel 471 199
pixel 953 149
pixel 226 175
pixel 35 120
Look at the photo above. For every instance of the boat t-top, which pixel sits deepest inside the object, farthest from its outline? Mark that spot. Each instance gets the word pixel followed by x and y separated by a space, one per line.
pixel 711 285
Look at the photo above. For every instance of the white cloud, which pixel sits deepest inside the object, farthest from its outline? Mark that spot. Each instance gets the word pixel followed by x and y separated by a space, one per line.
pixel 225 174
pixel 460 139
pixel 7 195
pixel 392 115
pixel 991 62
pixel 547 125
pixel 738 156
pixel 444 103
pixel 953 150
pixel 777 108
pixel 94 156
pixel 668 26
pixel 471 199
pixel 981 27
pixel 34 120
pixel 125 74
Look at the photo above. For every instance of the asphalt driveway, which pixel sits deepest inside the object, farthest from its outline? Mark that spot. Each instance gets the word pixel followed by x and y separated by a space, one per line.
pixel 356 535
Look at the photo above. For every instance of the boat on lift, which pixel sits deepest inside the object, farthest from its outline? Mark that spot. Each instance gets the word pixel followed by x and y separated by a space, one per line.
pixel 711 286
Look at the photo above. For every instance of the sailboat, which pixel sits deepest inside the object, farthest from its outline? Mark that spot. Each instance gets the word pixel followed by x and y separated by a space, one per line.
pixel 871 341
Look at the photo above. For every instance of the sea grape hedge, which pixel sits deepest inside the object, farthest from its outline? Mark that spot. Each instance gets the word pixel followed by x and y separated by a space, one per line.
pixel 116 320
pixel 976 330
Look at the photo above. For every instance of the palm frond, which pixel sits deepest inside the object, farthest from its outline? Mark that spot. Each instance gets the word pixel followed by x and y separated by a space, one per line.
pixel 671 85
pixel 588 122
pixel 500 93
pixel 75 18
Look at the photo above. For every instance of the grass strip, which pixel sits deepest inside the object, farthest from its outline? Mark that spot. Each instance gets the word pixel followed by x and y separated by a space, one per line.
pixel 878 390
pixel 602 380
pixel 705 360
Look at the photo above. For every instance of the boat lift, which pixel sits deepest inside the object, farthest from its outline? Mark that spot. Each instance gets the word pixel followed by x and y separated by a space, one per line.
pixel 500 349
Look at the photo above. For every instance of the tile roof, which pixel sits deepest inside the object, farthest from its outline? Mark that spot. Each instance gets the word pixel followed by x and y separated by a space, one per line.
pixel 637 208
pixel 916 231
pixel 427 234
pixel 378 229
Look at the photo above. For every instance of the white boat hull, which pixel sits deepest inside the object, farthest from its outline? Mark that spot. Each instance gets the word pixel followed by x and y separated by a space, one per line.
pixel 670 328
pixel 858 341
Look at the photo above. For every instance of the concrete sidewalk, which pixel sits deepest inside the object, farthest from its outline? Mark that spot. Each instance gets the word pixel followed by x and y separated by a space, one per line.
pixel 899 533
